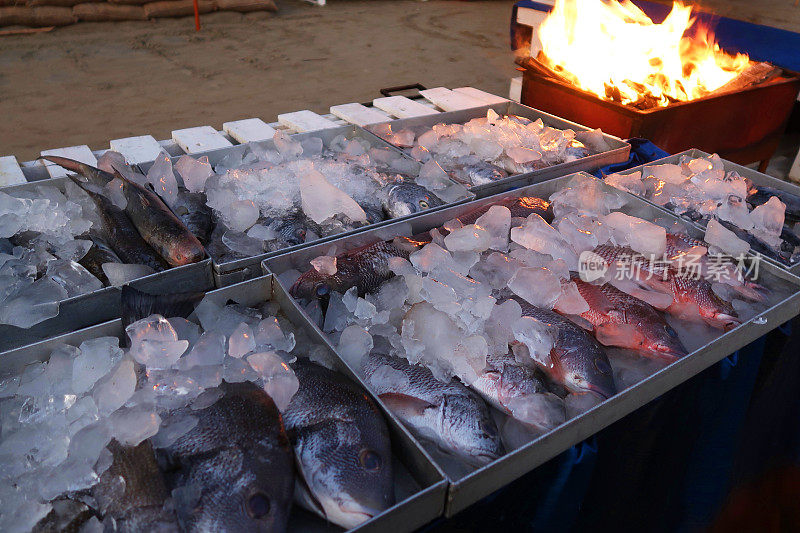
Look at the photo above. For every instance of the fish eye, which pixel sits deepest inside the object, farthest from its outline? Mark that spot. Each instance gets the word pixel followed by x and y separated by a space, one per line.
pixel 258 505
pixel 369 460
pixel 300 234
pixel 424 204
pixel 322 290
pixel 602 366
pixel 669 330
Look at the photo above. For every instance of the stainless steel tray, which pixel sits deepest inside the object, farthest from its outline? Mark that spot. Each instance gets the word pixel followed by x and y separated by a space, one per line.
pixel 466 490
pixel 619 152
pixel 103 304
pixel 227 273
pixel 420 485
pixel 757 177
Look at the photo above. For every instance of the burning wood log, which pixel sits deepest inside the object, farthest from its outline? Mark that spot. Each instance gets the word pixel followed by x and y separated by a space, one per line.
pixel 754 74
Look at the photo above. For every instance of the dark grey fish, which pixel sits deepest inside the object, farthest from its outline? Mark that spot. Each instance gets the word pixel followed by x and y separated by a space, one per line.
pixel 404 198
pixel 447 414
pixel 132 491
pixel 374 213
pixel 191 209
pixel 129 245
pixel 233 471
pixel 475 172
pixel 100 252
pixel 578 362
pixel 136 305
pixel 156 223
pixel 342 447
pixel 6 247
pixel 292 229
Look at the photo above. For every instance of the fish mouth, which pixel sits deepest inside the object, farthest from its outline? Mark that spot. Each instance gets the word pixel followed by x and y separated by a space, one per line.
pixel 668 353
pixel 600 390
pixel 723 321
pixel 354 513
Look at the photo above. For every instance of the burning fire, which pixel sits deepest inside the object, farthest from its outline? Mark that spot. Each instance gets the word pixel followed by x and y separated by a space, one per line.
pixel 615 51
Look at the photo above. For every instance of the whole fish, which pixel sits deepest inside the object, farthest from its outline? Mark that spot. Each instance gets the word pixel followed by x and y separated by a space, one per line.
pixel 515 389
pixel 342 447
pixel 692 296
pixel 683 251
pixel 401 199
pixel 447 414
pixel 129 245
pixel 577 362
pixel 100 253
pixel 136 304
pixel 368 267
pixel 132 490
pixel 156 223
pixel 233 471
pixel 621 320
pixel 192 210
pixel 783 253
pixel 474 171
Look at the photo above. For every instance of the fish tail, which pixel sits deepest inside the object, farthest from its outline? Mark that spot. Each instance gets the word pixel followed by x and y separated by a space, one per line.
pixel 137 304
pixel 90 173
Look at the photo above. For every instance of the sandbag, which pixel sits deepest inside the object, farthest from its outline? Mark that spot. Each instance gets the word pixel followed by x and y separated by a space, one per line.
pixel 244 6
pixel 4 3
pixel 36 16
pixel 103 11
pixel 130 2
pixel 176 8
pixel 57 3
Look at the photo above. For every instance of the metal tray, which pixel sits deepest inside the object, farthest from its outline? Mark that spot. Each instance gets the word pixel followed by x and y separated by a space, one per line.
pixel 420 485
pixel 619 152
pixel 757 177
pixel 103 304
pixel 230 272
pixel 466 490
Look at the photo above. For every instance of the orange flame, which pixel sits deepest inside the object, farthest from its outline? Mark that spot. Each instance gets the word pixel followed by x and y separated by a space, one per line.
pixel 615 51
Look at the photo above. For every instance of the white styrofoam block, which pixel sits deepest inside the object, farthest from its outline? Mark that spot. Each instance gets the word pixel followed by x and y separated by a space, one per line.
pixel 141 149
pixel 10 171
pixel 794 171
pixel 80 153
pixel 305 120
pixel 358 114
pixel 402 107
pixel 248 130
pixel 449 100
pixel 515 89
pixel 483 96
pixel 200 139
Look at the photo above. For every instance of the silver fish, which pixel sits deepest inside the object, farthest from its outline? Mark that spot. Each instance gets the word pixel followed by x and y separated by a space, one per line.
pixel 405 198
pixel 449 415
pixel 341 445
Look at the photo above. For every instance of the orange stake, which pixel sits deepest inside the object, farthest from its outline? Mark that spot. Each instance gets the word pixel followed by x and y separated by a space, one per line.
pixel 196 16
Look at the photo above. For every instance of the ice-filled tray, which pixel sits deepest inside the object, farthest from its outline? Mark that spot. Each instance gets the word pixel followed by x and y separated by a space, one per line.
pixel 84 305
pixel 527 148
pixel 269 174
pixel 418 486
pixel 664 350
pixel 739 220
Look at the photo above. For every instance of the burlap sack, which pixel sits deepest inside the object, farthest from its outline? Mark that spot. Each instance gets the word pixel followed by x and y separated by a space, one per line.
pixel 176 8
pixel 36 16
pixel 103 11
pixel 245 6
pixel 58 3
pixel 130 2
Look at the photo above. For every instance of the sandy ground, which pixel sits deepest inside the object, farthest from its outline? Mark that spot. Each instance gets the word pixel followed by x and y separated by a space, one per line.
pixel 91 82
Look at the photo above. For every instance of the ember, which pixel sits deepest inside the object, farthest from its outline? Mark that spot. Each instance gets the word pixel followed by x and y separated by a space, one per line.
pixel 615 51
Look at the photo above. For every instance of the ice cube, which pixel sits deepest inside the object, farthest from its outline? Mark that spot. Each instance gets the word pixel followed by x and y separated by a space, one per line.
pixel 288 147
pixel 643 236
pixel 173 428
pixel 544 411
pixel 121 273
pixel 95 359
pixel 207 398
pixel 579 403
pixel 320 200
pixel 194 172
pixel 32 304
pixel 130 426
pixel 768 219
pixel 724 239
pixel 470 238
pixel 114 390
pixel 538 286
pixel 241 341
pixel 312 146
pixel 241 215
pixel 238 370
pixel 571 302
pixel 537 339
pixel 354 344
pixel 497 222
pixel 154 343
pixel 430 257
pixel 269 333
pixel 162 178
pixel 432 176
pixel 667 173
pixel 242 244
pixel 278 378
pixel 324 264
pixel 541 237
pixel 627 182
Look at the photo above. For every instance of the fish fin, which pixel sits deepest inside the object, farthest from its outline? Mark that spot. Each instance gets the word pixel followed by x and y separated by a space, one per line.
pixel 137 304
pixel 615 334
pixel 404 405
pixel 90 173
